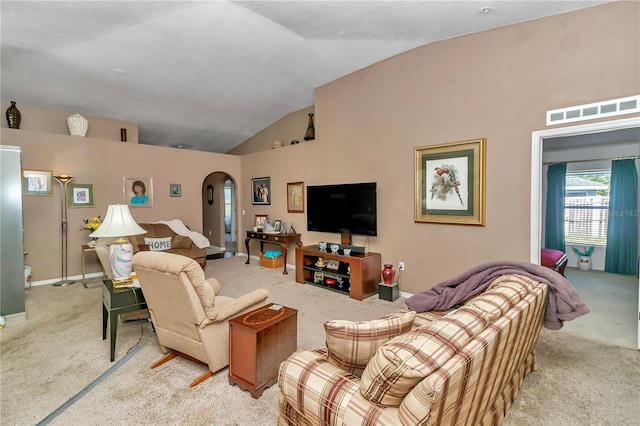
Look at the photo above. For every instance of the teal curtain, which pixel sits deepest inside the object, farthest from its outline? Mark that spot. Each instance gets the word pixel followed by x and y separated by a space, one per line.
pixel 554 221
pixel 622 233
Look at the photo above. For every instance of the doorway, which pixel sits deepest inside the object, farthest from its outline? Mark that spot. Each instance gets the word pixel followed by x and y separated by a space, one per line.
pixel 219 214
pixel 581 136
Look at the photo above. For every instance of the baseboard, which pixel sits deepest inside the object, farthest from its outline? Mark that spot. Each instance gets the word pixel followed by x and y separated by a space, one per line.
pixel 77 278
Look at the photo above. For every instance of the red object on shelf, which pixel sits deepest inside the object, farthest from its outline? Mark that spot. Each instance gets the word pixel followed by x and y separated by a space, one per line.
pixel 330 281
pixel 388 273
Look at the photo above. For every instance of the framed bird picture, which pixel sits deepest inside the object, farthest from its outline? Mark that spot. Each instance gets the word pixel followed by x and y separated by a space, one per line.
pixel 450 183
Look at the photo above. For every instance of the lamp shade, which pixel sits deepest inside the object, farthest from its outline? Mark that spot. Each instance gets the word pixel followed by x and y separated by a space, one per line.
pixel 118 223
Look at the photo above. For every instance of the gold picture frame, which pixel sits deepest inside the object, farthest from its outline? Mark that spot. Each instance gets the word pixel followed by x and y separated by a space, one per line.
pixel 450 183
pixel 295 197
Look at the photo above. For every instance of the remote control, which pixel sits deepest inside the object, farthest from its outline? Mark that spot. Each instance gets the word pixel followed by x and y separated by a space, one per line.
pixel 276 307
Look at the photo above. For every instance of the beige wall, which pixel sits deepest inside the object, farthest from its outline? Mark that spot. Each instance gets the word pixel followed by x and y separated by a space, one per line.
pixel 290 127
pixel 38 119
pixel 104 163
pixel 496 84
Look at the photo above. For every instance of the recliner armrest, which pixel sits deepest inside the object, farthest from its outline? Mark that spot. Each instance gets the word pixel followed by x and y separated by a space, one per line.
pixel 215 285
pixel 241 303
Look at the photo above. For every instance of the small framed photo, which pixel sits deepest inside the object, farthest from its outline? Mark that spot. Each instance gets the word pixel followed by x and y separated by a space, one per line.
pixel 295 197
pixel 277 225
pixel 260 220
pixel 261 190
pixel 333 265
pixel 318 277
pixel 137 192
pixel 175 190
pixel 37 182
pixel 80 195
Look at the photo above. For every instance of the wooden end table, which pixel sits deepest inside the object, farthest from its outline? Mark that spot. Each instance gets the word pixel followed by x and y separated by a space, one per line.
pixel 259 341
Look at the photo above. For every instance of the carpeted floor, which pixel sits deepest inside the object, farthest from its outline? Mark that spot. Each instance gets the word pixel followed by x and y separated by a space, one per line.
pixel 58 351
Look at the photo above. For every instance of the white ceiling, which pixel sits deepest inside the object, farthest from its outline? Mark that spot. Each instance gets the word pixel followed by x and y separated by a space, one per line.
pixel 207 75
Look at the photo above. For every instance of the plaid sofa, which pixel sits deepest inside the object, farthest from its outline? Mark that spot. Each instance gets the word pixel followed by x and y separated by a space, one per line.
pixel 464 366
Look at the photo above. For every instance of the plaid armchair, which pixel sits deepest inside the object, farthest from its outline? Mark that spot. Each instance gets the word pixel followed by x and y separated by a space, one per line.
pixel 464 366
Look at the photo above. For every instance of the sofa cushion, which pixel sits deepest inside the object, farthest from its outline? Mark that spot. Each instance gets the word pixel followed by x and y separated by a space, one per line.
pixel 181 242
pixel 350 345
pixel 158 244
pixel 401 363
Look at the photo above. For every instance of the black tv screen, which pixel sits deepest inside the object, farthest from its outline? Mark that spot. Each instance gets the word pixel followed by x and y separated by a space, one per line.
pixel 345 209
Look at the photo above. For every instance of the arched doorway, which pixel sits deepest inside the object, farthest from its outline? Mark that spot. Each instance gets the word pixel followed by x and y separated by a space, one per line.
pixel 219 213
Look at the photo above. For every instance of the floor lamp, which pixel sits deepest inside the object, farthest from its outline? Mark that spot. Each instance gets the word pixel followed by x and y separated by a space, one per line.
pixel 64 180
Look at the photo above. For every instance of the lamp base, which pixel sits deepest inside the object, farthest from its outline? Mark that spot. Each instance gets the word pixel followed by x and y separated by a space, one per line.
pixel 63 283
pixel 126 282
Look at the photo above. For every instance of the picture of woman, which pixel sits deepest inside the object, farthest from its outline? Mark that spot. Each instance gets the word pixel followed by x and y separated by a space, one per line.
pixel 138 192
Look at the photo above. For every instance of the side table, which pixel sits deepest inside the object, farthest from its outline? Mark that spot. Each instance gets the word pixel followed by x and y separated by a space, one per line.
pixel 86 249
pixel 285 240
pixel 259 341
pixel 116 301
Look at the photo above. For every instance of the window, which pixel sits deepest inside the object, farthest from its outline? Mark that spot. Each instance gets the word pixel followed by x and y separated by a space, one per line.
pixel 586 207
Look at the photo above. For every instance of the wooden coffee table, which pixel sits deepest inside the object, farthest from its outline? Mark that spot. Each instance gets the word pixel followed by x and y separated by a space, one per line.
pixel 259 341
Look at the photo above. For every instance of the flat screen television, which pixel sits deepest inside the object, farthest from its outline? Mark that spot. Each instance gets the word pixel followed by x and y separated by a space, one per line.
pixel 349 209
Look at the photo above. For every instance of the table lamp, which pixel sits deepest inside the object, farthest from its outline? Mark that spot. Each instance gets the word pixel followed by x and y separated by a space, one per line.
pixel 118 222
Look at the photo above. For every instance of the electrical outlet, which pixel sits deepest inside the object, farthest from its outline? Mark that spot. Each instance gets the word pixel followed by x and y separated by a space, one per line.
pixel 401 266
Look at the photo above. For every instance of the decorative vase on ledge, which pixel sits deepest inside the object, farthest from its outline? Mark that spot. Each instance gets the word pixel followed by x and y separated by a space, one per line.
pixel 13 116
pixel 78 125
pixel 311 130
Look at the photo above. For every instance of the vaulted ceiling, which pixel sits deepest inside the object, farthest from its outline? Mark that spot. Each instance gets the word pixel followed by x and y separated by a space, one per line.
pixel 207 75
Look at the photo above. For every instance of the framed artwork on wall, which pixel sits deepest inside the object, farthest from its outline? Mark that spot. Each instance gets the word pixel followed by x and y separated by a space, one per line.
pixel 450 183
pixel 295 197
pixel 261 190
pixel 37 182
pixel 175 190
pixel 80 195
pixel 137 192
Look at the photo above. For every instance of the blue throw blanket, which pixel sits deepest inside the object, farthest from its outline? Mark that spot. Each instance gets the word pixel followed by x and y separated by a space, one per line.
pixel 563 301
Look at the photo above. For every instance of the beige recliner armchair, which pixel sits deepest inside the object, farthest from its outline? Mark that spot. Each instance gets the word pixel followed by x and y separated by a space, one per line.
pixel 189 317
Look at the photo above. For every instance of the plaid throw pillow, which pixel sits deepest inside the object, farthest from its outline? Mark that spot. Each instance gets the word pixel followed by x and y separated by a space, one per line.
pixel 350 345
pixel 404 361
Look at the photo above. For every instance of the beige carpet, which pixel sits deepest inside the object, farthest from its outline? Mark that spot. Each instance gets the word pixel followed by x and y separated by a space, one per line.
pixel 58 351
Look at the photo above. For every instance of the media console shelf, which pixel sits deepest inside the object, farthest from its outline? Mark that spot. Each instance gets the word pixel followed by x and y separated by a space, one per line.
pixel 360 271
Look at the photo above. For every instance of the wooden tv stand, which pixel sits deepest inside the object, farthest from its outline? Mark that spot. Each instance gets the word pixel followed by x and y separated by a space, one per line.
pixel 361 271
